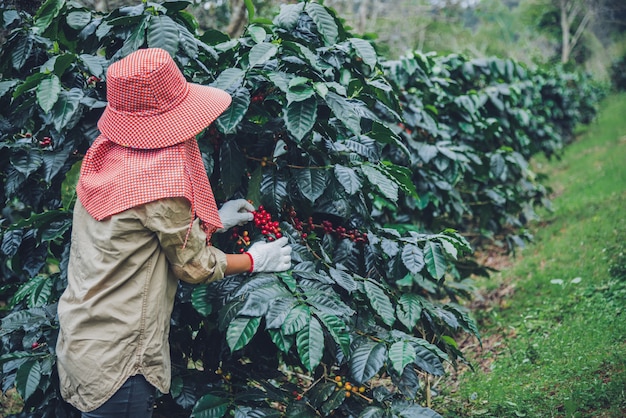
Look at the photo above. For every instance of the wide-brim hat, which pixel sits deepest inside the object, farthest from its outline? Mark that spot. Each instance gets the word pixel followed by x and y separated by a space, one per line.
pixel 151 104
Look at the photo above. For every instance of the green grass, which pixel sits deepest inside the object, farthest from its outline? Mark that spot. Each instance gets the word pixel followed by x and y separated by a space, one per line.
pixel 556 347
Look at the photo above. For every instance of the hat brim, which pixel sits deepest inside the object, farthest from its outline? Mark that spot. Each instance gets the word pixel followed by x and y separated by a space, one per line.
pixel 197 111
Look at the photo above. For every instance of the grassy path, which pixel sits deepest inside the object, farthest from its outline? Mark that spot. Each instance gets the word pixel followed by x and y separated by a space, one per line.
pixel 555 343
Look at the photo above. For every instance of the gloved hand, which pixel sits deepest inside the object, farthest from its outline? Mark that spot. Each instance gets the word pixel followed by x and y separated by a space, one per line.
pixel 272 256
pixel 235 212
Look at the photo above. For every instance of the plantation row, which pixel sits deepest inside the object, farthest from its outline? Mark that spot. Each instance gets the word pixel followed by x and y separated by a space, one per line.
pixel 376 170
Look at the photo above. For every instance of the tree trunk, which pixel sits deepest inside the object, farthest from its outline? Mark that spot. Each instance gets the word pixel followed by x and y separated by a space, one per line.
pixel 565 28
pixel 573 13
pixel 237 18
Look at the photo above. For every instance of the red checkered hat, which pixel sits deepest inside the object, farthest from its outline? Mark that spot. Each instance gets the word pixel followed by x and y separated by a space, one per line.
pixel 151 105
pixel 147 150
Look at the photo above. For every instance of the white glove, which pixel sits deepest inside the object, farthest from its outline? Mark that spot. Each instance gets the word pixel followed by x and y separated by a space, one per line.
pixel 270 256
pixel 235 212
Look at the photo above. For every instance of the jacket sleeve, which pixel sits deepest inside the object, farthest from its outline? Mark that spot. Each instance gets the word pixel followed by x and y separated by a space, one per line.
pixel 184 241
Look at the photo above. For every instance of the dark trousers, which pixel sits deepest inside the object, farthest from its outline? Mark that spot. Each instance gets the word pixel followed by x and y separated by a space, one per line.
pixel 135 399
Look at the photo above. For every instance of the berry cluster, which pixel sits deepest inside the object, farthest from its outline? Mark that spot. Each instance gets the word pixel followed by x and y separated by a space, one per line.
pixel 242 239
pixel 92 80
pixel 263 221
pixel 348 387
pixel 46 141
pixel 325 227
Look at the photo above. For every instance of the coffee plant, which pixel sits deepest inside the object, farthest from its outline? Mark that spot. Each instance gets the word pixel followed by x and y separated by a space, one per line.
pixel 375 170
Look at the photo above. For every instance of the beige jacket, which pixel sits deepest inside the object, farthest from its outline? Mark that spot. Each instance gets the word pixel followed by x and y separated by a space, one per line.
pixel 122 279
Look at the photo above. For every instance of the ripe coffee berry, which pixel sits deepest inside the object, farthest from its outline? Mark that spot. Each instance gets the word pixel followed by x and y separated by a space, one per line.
pixel 326 227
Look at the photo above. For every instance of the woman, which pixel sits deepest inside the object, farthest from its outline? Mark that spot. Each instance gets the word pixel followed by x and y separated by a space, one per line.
pixel 144 214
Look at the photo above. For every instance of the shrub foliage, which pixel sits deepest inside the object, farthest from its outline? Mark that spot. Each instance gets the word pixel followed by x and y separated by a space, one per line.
pixel 376 170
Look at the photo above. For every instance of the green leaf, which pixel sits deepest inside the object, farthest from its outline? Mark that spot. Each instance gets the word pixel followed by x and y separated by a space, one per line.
pixel 278 310
pixel 46 13
pixel 68 187
pixel 258 300
pixel 348 178
pixel 435 260
pixel 366 360
pixel 428 361
pixel 240 332
pixel 11 241
pixel 250 9
pixel 32 318
pixel 288 17
pixel 21 51
pixel 344 110
pixel 310 344
pixel 402 176
pixel 379 179
pixel 227 313
pixel 65 108
pixel 189 43
pixel 409 310
pixel 55 230
pixel 229 78
pixel 334 401
pixel 40 296
pixel 30 82
pixel 466 321
pixel 379 301
pixel 273 189
pixel 497 164
pixel 328 302
pixel 26 162
pixel 337 329
pixel 16 355
pixel 401 353
pixel 27 289
pixel 299 89
pixel 281 341
pixel 366 51
pixel 261 53
pixel 310 58
pixel 163 33
pixel 78 19
pixel 6 86
pixel 417 411
pixel 311 182
pixel 95 64
pixel 229 120
pixel 449 248
pixel 300 117
pixel 254 185
pixel 27 378
pixel 297 318
pixel 210 406
pixel 413 258
pixel 137 37
pixel 372 412
pixel 382 134
pixel 324 21
pixel 320 393
pixel 257 33
pixel 280 80
pixel 200 300
pixel 343 279
pixel 55 160
pixel 232 166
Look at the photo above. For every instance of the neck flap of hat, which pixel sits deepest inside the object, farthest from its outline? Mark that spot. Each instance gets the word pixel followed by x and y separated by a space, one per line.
pixel 114 178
